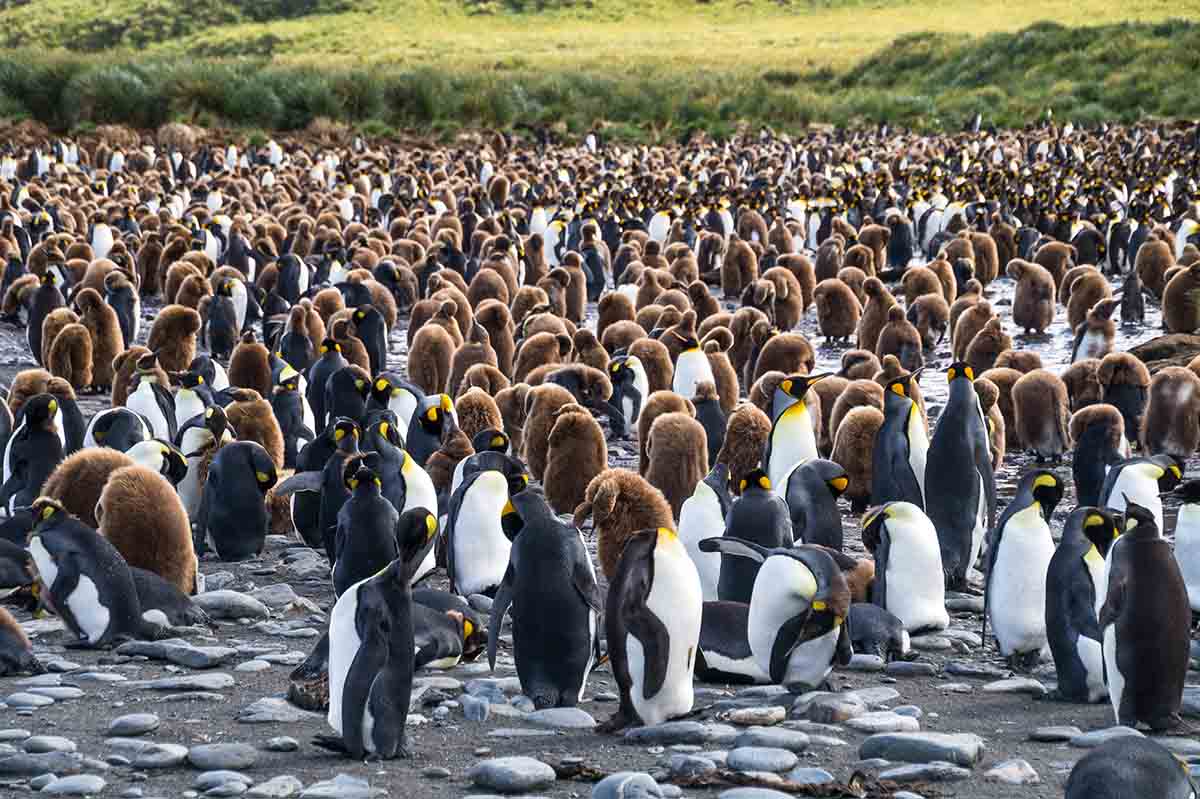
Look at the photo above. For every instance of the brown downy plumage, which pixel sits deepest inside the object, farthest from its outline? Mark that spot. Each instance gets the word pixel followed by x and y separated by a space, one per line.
pixel 828 390
pixel 71 356
pixel 498 323
pixel 900 338
pixel 656 362
pixel 724 376
pixel 52 324
pixel 486 377
pixel 541 349
pixel 785 352
pixel 945 276
pixel 1042 418
pixel 125 366
pixel 973 319
pixel 1056 258
pixel 621 503
pixel 587 350
pixel 829 258
pixel 856 279
pixel 1103 416
pixel 173 337
pixel 987 256
pixel 858 364
pixel 971 294
pixel 838 310
pixel 250 366
pixel 857 394
pixel 78 481
pixel 1181 301
pixel 429 359
pixel 677 448
pixel 252 419
pixel 511 402
pixel 341 330
pixel 1033 301
pixel 1082 380
pixel 477 349
pixel 1171 422
pixel 541 404
pixel 456 447
pixel 614 307
pixel 477 411
pixel 739 269
pixel 919 280
pixel 989 395
pixel 1024 361
pixel 746 435
pixel 987 346
pixel 141 515
pixel 1125 382
pixel 853 450
pixel 576 454
pixel 874 313
pixel 802 269
pixel 105 330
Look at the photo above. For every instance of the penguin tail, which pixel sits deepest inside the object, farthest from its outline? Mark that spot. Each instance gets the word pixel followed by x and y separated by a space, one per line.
pixel 333 743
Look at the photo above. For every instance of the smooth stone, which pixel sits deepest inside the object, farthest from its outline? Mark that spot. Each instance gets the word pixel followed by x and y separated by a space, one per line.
pixel 214 681
pixel 275 597
pixel 905 668
pixel 100 676
pixel 757 716
pixel 76 785
pixel 439 683
pixel 959 668
pixel 48 743
pixel 61 666
pixel 294 658
pixel 1090 740
pixel 24 699
pixel 926 772
pixel 868 663
pixel 343 786
pixel 436 773
pixel 280 787
pixel 194 696
pixel 252 666
pixel 931 643
pixel 160 756
pixel 673 732
pixel 1013 772
pixel 831 708
pixel 809 776
pixel 1055 734
pixel 752 793
pixel 1016 685
pixel 218 580
pixel 770 692
pixel 58 692
pixel 562 718
pixel 962 749
pixel 211 779
pixel 627 785
pixel 269 710
pixel 226 604
pixel 964 603
pixel 40 680
pixel 283 743
pixel 907 795
pixel 222 756
pixel 519 732
pixel 760 758
pixel 133 724
pixel 691 766
pixel 955 688
pixel 41 781
pixel 511 774
pixel 25 763
pixel 909 710
pixel 773 738
pixel 227 789
pixel 883 721
pixel 877 695
pixel 14 734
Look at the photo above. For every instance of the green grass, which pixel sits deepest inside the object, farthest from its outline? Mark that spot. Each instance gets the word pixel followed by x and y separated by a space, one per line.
pixel 652 69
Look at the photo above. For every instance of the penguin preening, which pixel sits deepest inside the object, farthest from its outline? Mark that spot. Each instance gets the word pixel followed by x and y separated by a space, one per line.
pixel 904 544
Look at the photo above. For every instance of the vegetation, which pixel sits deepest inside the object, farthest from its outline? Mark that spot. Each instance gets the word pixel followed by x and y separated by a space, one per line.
pixel 654 69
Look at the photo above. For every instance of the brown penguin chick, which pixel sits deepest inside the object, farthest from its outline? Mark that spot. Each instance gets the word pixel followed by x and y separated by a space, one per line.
pixel 828 390
pixel 1181 301
pixel 430 359
pixel 742 325
pixel 620 335
pixel 704 303
pixel 1124 382
pixel 659 403
pixel 327 302
pixel 577 452
pixel 945 275
pixel 724 376
pixel 20 288
pixel 1042 417
pixel 739 269
pixel 901 338
pixel 987 257
pixel 970 296
pixel 511 402
pixel 650 283
pixel 760 294
pixel 1088 289
pixel 52 324
pixel 676 337
pixel 125 366
pixel 173 337
pixel 684 267
pixel 587 350
pixel 1082 380
pixel 876 237
pixel 142 516
pixel 762 393
pixel 71 356
pixel 526 299
pixel 1171 423
pixel 930 315
pixel 958 247
pixel 1096 334
pixel 1154 259
pixel 789 298
pixel 446 317
pixel 853 450
pixel 838 310
pixel 590 387
pixel 857 364
pixel 860 258
pixel 1024 361
pixel 477 349
pixel 555 285
pixel 648 316
pixel 722 336
pixel 542 321
pixel 477 411
pixel 576 294
pixel 972 320
pixel 486 377
pixel 919 280
pixel 341 330
pixel 541 349
pixel 541 403
pixel 724 319
pixel 488 284
pixel 193 291
pixel 1068 282
pixel 1104 416
pixel 829 258
pixel 615 307
pixel 874 313
pixel 857 394
pixel 456 447
pixel 620 503
pixel 176 275
pixel 656 362
pixel 678 453
pixel 1056 258
pixel 674 298
pixel 1033 300
pixel 987 346
pixel 802 269
pixel 78 481
pixel 497 321
pixel 252 419
pixel 789 353
pixel 1171 273
pixel 250 366
pixel 1004 380
pixel 988 395
pixel 856 279
pixel 104 327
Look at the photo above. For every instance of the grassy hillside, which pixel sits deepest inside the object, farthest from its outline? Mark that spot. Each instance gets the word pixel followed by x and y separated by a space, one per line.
pixel 652 68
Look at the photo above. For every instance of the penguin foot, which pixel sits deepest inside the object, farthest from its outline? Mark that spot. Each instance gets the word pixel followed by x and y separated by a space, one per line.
pixel 616 722
pixel 331 743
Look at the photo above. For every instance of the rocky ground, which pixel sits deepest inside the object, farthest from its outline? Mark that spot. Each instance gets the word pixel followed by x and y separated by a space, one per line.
pixel 206 714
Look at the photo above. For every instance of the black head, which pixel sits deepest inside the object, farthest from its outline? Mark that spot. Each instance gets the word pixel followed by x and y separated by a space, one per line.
pixel 959 369
pixel 902 384
pixel 1138 517
pixel 385 425
pixel 47 511
pixel 216 421
pixel 290 383
pixel 491 440
pixel 191 380
pixel 1047 489
pixel 174 466
pixel 1101 526
pixel 798 385
pixel 329 345
pixel 358 473
pixel 264 468
pixel 756 480
pixel 433 418
pixel 416 531
pixel 1172 472
pixel 147 363
pixel 346 432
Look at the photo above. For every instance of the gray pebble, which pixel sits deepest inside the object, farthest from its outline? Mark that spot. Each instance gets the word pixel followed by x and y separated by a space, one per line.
pixel 42 780
pixel 1016 685
pixel 474 708
pixel 773 737
pixel 24 699
pixel 511 774
pixel 562 718
pixel 343 786
pixel 76 785
pixel 867 663
pixel 752 793
pixel 963 749
pixel 14 734
pixel 760 758
pixel 1057 734
pixel 222 756
pixel 690 766
pixel 160 756
pixel 280 787
pixel 133 724
pixel 959 668
pixel 627 785
pixel 211 779
pixel 252 666
pixel 57 692
pixel 809 776
pixel 270 710
pixel 436 773
pixel 26 764
pixel 926 772
pixel 226 604
pixel 1090 740
pixel 211 681
pixel 905 668
pixel 61 666
pixel 1013 772
pixel 883 721
pixel 282 743
pixel 48 743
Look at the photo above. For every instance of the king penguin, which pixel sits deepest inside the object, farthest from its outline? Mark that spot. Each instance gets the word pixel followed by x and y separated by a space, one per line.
pixel 1141 480
pixel 692 367
pixel 152 400
pixel 703 516
pixel 901 447
pixel 812 493
pixel 961 503
pixel 905 546
pixel 793 438
pixel 198 437
pixel 631 387
pixel 477 546
pixel 1019 554
pixel 1187 539
pixel 397 395
pixel 759 516
pixel 191 398
pixel 652 623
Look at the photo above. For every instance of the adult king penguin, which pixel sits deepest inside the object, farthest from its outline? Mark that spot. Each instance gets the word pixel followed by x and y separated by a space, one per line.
pixel 1187 539
pixel 901 447
pixel 701 515
pixel 1141 480
pixel 758 516
pixel 793 438
pixel 905 546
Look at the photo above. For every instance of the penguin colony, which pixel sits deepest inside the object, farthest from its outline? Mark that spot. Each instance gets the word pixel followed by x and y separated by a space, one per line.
pixel 647 300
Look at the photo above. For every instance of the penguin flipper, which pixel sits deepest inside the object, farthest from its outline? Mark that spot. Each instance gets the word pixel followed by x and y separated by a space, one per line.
pixel 500 605
pixel 652 634
pixel 728 545
pixel 789 636
pixel 303 481
pixel 388 702
pixel 585 584
pixel 879 586
pixel 370 658
pixel 845 650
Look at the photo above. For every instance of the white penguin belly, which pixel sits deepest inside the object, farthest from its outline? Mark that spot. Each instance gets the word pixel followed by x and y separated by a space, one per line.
pixel 420 493
pixel 745 666
pixel 1139 488
pixel 481 549
pixel 343 646
pixel 630 290
pixel 811 662
pixel 187 405
pixel 1094 345
pixel 91 616
pixel 1187 551
pixel 691 369
pixel 240 301
pixel 404 405
pixel 918 601
pixel 1116 680
pixel 143 401
pixel 220 377
pixel 1092 656
pixel 980 529
pixel 918 447
pixel 793 442
pixel 700 518
pixel 8 451
pixel 676 599
pixel 47 569
pixel 593 624
pixel 1017 587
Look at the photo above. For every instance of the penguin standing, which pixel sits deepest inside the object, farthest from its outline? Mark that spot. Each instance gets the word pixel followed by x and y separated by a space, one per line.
pixel 86 580
pixel 812 493
pixel 329 362
pixel 1019 554
pixel 905 546
pixel 1141 480
pixel 631 388
pixel 233 516
pixel 961 503
pixel 191 398
pixel 793 438
pixel 1099 435
pixel 46 298
pixel 371 329
pixel 1073 580
pixel 222 325
pixel 757 515
pixel 151 400
pixel 124 299
pixel 652 624
pixel 372 657
pixel 405 484
pixel 477 545
pixel 702 515
pixel 1145 623
pixel 1187 539
pixel 196 440
pixel 692 368
pixel 797 627
pixel 550 589
pixel 295 418
pixel 901 448
pixel 32 452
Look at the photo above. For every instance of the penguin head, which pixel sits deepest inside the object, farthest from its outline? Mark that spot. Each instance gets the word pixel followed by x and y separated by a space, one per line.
pixel 346 432
pixel 1101 526
pixel 1047 490
pixel 382 390
pixel 416 530
pixel 40 410
pixel 264 468
pixel 46 510
pixel 902 384
pixel 289 383
pixel 216 421
pixel 147 363
pixel 363 387
pixel 756 480
pixel 329 345
pixel 191 380
pixel 960 369
pixel 832 475
pixel 174 465
pixel 1138 516
pixel 1171 472
pixel 433 418
pixel 385 425
pixel 491 440
pixel 358 474
pixel 1188 492
pixel 796 386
